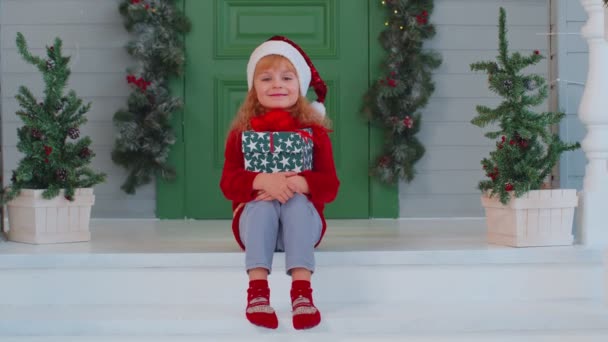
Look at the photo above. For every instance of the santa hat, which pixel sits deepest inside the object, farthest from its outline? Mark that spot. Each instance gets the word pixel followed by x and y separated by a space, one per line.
pixel 307 73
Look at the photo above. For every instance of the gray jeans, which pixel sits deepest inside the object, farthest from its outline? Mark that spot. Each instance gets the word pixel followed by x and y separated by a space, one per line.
pixel 269 226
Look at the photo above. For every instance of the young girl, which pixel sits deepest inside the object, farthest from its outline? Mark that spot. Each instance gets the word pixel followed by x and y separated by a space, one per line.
pixel 280 211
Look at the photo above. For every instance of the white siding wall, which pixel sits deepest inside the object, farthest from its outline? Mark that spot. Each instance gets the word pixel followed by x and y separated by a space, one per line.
pixel 467 31
pixel 572 68
pixel 93 34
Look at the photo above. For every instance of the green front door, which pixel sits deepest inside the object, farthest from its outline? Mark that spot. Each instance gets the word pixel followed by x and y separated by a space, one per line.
pixel 224 32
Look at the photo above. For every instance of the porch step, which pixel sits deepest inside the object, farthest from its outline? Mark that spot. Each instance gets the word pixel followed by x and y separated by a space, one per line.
pixel 564 336
pixel 218 278
pixel 394 294
pixel 405 319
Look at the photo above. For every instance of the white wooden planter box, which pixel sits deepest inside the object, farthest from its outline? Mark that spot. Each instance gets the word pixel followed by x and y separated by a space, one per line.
pixel 538 218
pixel 33 219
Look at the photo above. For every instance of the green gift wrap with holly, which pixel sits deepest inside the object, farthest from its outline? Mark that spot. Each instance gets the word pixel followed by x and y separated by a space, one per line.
pixel 271 152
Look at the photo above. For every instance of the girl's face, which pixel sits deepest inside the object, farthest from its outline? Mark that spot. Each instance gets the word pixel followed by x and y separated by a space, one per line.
pixel 276 84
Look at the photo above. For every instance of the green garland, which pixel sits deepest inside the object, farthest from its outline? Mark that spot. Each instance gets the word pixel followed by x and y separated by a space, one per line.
pixel 395 99
pixel 527 150
pixel 144 129
pixel 54 158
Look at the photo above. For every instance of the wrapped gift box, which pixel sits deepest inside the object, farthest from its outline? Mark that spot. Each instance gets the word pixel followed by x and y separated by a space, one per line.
pixel 271 152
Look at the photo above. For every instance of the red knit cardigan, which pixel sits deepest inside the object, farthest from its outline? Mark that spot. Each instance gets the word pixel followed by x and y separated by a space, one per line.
pixel 237 183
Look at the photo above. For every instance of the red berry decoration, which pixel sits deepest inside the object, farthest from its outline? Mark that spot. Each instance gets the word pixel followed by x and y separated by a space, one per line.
pixel 408 122
pixel 508 187
pixel 48 150
pixel 523 143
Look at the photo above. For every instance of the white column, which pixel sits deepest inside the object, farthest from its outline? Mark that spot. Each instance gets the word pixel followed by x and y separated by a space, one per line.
pixel 593 112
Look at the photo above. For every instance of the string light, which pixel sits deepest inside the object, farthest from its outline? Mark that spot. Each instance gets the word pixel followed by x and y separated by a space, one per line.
pixel 386 23
pixel 396 11
pixel 383 2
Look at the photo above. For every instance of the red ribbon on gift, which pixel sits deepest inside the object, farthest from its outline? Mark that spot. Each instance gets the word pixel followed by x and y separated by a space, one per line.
pixel 275 120
pixel 278 120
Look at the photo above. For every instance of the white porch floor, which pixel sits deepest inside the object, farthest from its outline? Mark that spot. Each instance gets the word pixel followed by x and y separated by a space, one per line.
pixel 193 236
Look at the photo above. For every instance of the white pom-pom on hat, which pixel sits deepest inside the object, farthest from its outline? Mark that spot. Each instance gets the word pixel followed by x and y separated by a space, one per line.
pixel 307 73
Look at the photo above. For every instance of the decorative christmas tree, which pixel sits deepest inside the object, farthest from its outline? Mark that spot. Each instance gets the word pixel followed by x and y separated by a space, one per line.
pixel 144 129
pixel 394 100
pixel 54 156
pixel 526 150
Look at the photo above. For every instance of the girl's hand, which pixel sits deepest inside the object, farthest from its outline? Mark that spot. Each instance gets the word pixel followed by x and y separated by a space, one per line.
pixel 275 185
pixel 298 184
pixel 263 196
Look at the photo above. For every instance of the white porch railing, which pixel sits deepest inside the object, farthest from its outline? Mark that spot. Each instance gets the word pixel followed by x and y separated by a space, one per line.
pixel 593 112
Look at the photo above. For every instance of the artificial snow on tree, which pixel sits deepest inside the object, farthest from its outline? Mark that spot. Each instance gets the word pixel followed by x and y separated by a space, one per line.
pixel 144 133
pixel 54 158
pixel 526 149
pixel 394 101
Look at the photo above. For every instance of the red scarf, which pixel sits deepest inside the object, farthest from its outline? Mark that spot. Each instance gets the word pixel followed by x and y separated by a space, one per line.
pixel 276 120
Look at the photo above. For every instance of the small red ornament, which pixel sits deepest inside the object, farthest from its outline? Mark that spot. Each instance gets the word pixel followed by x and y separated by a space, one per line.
pixel 511 142
pixel 508 187
pixel 147 6
pixel 134 2
pixel 48 150
pixel 421 20
pixel 139 82
pixel 536 52
pixel 499 146
pixel 392 83
pixel 408 122
pixel 523 143
pixel 504 138
pixel 384 161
